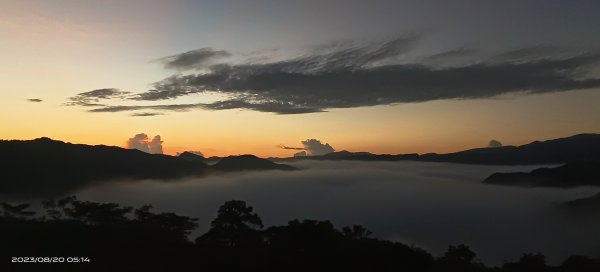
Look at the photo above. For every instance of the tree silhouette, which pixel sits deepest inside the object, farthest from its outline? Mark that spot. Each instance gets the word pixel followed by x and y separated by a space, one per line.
pixel 16 211
pixel 304 235
pixel 528 263
pixel 89 212
pixel 113 238
pixel 581 264
pixel 86 212
pixel 356 232
pixel 180 226
pixel 235 215
pixel 459 254
pixel 458 258
pixel 236 224
pixel 52 209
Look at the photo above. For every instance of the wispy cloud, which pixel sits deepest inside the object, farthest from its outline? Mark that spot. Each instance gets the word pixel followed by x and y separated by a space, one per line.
pixel 347 75
pixel 145 114
pixel 195 59
pixel 451 54
pixel 172 107
pixel 219 105
pixel 92 98
pixel 530 53
pixel 35 100
pixel 290 147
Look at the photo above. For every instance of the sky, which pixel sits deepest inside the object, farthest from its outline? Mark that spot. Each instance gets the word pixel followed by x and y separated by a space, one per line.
pixel 236 77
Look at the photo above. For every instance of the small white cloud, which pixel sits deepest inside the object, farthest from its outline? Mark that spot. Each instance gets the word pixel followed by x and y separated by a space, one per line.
pixel 316 148
pixel 143 143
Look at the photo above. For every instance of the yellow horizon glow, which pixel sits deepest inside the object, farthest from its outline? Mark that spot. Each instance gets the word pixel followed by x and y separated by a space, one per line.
pixel 436 126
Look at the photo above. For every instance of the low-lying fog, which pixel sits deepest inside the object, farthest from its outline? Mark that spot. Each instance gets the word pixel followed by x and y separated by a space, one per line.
pixel 430 205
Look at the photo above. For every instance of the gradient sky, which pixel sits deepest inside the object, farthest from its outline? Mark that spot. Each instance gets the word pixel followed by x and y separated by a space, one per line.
pixel 55 50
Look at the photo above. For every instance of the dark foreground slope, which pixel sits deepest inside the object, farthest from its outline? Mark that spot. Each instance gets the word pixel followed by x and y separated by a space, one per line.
pixel 74 235
pixel 569 175
pixel 50 167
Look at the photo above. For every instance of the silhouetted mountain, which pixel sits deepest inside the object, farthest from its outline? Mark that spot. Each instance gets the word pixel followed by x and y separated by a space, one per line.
pixel 568 175
pixel 49 167
pixel 352 156
pixel 581 147
pixel 191 156
pixel 346 155
pixel 588 204
pixel 212 160
pixel 366 156
pixel 249 162
pixel 46 165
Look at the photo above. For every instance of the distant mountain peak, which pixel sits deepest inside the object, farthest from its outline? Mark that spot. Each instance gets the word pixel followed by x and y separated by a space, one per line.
pixel 46 140
pixel 190 156
pixel 249 162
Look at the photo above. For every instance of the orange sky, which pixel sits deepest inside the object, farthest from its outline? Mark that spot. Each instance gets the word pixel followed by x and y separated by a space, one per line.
pixel 438 126
pixel 52 53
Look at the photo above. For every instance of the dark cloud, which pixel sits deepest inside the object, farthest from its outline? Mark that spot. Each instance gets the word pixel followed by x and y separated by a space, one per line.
pixel 143 143
pixel 530 53
pixel 280 107
pixel 102 93
pixel 91 98
pixel 451 54
pixel 195 59
pixel 284 88
pixel 346 75
pixel 35 100
pixel 142 114
pixel 171 107
pixel 219 105
pixel 153 95
pixel 341 56
pixel 291 148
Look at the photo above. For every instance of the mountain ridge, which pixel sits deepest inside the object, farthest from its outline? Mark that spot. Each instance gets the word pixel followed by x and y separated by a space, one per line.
pixel 579 147
pixel 55 167
pixel 569 175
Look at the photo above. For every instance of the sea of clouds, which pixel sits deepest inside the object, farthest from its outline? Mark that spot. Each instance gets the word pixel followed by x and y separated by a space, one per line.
pixel 430 205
